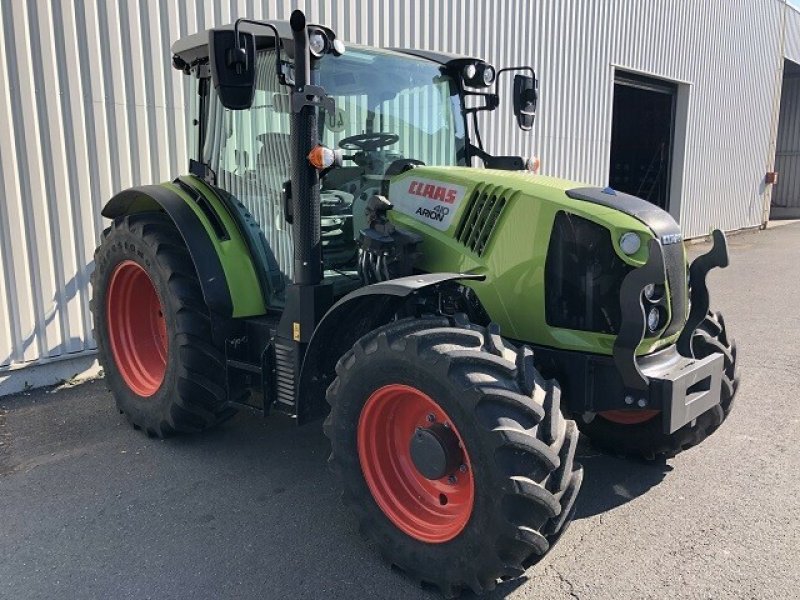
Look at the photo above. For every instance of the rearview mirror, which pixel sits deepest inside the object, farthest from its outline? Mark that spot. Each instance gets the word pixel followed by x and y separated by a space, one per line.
pixel 525 98
pixel 233 67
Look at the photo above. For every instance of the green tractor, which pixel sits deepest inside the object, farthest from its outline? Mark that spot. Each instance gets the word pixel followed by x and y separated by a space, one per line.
pixel 332 241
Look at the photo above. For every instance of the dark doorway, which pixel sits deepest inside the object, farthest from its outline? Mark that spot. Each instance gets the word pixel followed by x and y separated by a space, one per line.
pixel 642 132
pixel 786 191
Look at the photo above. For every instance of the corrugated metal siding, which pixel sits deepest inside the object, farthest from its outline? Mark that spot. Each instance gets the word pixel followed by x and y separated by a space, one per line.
pixel 791 48
pixel 89 105
pixel 787 156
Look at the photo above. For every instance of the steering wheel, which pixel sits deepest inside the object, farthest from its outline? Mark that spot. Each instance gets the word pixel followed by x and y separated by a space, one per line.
pixel 368 141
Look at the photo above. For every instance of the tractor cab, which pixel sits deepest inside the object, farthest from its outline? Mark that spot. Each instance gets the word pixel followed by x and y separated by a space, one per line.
pixel 393 110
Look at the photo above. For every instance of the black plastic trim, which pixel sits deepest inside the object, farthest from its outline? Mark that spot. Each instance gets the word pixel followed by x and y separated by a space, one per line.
pixel 634 319
pixel 403 286
pixel 659 221
pixel 716 257
pixel 205 206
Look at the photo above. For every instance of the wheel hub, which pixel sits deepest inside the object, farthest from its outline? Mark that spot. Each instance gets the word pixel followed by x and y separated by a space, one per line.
pixel 435 452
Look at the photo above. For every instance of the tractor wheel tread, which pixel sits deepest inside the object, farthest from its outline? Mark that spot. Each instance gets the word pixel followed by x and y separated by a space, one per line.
pixel 499 404
pixel 503 428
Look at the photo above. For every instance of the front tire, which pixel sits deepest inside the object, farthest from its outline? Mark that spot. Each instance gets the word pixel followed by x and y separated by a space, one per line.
pixel 153 329
pixel 639 433
pixel 496 496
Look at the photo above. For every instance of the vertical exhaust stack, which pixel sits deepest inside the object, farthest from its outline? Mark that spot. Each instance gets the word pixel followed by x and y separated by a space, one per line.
pixel 307 298
pixel 305 178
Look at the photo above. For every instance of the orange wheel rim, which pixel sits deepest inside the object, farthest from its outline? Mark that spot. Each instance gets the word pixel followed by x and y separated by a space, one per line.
pixel 429 510
pixel 137 330
pixel 629 417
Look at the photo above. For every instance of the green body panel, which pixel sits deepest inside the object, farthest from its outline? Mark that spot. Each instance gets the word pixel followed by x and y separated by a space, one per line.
pixel 237 264
pixel 514 260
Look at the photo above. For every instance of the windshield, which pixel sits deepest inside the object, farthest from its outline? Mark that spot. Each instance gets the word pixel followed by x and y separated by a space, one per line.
pixel 408 100
pixel 404 97
pixel 391 110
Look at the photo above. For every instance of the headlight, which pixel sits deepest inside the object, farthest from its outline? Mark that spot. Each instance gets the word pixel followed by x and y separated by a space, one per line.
pixel 488 75
pixel 317 43
pixel 654 292
pixel 469 71
pixel 630 243
pixel 653 319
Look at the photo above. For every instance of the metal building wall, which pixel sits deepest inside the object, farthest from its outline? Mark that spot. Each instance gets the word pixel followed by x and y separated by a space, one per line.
pixel 89 105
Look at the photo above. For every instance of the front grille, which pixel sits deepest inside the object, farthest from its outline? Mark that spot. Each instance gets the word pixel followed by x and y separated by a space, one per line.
pixel 583 276
pixel 481 215
pixel 675 264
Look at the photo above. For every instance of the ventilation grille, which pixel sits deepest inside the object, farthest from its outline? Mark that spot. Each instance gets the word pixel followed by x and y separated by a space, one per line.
pixel 284 375
pixel 483 211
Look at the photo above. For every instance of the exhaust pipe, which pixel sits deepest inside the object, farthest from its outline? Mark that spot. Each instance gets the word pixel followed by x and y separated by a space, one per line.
pixel 305 195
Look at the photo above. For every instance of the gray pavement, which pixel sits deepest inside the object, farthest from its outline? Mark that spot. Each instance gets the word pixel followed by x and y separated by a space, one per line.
pixel 90 508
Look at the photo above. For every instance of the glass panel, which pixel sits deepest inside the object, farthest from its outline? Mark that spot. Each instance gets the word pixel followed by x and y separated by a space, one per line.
pixel 375 91
pixel 380 92
pixel 249 152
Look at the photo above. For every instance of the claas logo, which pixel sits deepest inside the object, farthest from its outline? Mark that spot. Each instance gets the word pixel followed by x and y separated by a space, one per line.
pixel 434 192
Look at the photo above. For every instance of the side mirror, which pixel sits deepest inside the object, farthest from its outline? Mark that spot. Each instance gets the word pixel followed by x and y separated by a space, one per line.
pixel 233 67
pixel 525 98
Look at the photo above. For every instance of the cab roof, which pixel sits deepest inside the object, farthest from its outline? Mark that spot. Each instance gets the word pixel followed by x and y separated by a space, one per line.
pixel 193 49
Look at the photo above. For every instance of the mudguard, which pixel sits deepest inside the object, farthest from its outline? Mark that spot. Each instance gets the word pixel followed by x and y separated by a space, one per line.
pixel 224 265
pixel 350 318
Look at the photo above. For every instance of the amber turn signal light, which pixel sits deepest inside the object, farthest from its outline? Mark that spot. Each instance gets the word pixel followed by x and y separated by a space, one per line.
pixel 322 157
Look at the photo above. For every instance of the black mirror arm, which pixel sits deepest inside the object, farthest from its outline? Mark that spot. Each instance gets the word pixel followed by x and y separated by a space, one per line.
pixel 509 70
pixel 241 51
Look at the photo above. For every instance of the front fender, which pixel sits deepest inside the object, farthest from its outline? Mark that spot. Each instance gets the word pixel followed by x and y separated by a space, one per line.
pixel 349 319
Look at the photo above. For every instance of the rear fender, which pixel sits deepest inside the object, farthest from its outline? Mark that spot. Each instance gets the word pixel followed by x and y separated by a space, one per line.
pixel 349 319
pixel 224 265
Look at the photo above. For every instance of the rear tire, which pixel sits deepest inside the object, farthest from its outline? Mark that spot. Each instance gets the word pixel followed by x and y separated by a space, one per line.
pixel 172 380
pixel 617 434
pixel 517 457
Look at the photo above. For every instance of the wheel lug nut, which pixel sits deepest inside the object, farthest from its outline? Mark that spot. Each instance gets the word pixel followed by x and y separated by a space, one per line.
pixel 452 480
pixel 431 418
pixel 463 468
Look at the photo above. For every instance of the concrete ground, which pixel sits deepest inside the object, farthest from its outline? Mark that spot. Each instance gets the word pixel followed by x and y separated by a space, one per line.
pixel 90 508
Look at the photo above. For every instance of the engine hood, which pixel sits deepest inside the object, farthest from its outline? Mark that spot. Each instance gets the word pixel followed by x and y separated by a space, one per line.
pixel 499 223
pixel 470 205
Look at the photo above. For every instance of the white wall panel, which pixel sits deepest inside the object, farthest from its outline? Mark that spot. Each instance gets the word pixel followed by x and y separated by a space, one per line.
pixel 89 105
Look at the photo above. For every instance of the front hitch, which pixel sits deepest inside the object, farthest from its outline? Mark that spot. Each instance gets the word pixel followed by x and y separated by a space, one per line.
pixel 671 380
pixel 698 292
